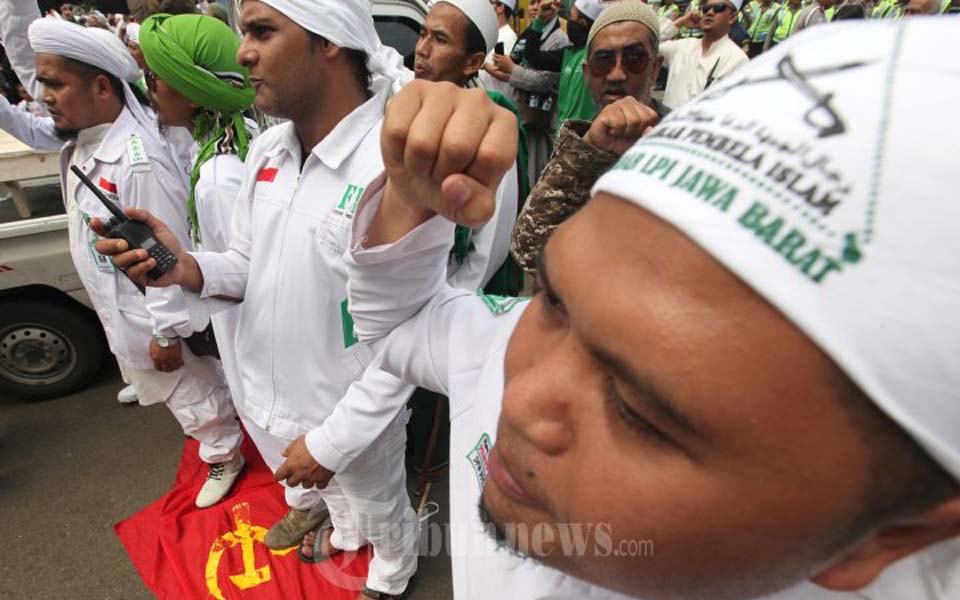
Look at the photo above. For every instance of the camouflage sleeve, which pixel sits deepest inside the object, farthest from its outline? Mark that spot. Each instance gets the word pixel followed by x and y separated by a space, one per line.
pixel 563 188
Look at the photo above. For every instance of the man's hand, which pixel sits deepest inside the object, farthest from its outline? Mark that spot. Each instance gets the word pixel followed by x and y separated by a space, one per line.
pixel 166 359
pixel 299 468
pixel 504 63
pixel 496 73
pixel 445 150
pixel 137 262
pixel 691 19
pixel 620 124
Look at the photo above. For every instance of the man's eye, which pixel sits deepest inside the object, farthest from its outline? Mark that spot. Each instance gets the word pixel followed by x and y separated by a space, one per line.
pixel 630 416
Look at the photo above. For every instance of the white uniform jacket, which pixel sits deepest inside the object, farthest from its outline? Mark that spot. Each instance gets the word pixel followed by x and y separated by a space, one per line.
pixel 295 345
pixel 133 171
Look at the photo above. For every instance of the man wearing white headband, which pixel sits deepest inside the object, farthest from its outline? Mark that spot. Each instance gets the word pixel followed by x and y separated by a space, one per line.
pixel 83 76
pixel 696 63
pixel 766 390
pixel 449 50
pixel 311 406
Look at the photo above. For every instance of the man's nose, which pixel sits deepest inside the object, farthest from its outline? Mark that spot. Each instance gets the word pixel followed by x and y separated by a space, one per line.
pixel 423 48
pixel 246 55
pixel 618 73
pixel 539 401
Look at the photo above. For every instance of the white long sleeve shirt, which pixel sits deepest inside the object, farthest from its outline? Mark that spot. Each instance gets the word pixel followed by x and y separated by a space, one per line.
pixel 132 171
pixel 455 345
pixel 301 368
pixel 692 69
pixel 37 132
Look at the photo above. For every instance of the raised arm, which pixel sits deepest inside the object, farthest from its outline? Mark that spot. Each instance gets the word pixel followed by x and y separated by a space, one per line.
pixel 15 19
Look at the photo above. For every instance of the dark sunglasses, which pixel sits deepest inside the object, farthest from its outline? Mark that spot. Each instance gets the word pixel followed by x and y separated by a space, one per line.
pixel 716 8
pixel 634 61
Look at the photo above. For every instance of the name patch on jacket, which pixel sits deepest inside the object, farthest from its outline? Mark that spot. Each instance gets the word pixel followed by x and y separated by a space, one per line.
pixel 479 458
pixel 349 201
pixel 136 153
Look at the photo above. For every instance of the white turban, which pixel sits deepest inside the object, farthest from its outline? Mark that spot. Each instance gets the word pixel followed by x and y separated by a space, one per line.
pixel 133 33
pixel 590 8
pixel 481 14
pixel 841 212
pixel 347 24
pixel 98 48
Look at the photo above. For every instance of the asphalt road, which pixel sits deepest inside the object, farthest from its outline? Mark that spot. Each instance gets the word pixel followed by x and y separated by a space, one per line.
pixel 70 468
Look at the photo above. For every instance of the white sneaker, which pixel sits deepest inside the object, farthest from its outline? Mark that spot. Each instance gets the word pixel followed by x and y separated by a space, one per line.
pixel 219 481
pixel 127 395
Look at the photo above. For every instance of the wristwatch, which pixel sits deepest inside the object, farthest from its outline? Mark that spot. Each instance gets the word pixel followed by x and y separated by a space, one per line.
pixel 166 342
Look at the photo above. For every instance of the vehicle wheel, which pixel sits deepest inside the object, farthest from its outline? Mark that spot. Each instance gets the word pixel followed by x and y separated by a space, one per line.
pixel 47 349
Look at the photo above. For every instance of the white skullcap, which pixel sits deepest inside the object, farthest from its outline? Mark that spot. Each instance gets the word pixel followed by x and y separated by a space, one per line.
pixel 511 4
pixel 347 24
pixel 481 14
pixel 636 11
pixel 133 33
pixel 736 3
pixel 839 211
pixel 590 8
pixel 98 48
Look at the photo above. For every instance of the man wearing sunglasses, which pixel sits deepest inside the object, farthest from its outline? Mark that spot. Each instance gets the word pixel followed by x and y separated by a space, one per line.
pixel 620 70
pixel 696 63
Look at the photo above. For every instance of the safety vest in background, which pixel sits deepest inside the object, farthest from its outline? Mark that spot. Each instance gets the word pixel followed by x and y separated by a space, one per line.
pixel 785 22
pixel 763 23
pixel 695 32
pixel 672 11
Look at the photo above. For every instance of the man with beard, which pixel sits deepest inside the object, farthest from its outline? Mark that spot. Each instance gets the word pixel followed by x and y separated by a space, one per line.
pixel 318 416
pixel 713 363
pixel 695 64
pixel 621 69
pixel 83 77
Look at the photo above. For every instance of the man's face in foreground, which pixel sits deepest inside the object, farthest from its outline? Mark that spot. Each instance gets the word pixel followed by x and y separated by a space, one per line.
pixel 621 62
pixel 652 393
pixel 69 96
pixel 271 44
pixel 441 53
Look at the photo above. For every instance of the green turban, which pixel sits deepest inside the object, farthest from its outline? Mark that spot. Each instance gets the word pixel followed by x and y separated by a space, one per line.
pixel 196 55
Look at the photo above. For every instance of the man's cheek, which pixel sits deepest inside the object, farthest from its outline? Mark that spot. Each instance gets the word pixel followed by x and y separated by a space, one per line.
pixel 522 347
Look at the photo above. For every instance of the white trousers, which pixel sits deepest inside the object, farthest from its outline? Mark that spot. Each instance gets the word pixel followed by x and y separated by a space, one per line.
pixel 200 402
pixel 368 503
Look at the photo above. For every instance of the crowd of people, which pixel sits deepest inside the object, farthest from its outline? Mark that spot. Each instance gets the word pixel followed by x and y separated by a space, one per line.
pixel 743 336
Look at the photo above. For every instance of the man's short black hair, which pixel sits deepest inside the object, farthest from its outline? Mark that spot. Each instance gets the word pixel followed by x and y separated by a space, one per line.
pixel 356 58
pixel 474 41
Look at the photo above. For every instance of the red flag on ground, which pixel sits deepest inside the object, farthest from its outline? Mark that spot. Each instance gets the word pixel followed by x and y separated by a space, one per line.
pixel 185 553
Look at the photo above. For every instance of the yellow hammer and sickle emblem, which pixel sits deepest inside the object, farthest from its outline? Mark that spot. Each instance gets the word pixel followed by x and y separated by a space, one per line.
pixel 245 534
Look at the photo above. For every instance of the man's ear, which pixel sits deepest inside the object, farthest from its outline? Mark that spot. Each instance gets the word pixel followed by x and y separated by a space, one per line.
pixel 859 566
pixel 101 86
pixel 474 64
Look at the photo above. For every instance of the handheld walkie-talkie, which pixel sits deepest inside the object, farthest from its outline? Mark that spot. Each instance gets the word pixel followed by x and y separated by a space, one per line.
pixel 135 233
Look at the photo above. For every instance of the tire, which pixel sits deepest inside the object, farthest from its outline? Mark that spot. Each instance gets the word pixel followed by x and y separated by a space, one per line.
pixel 48 348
